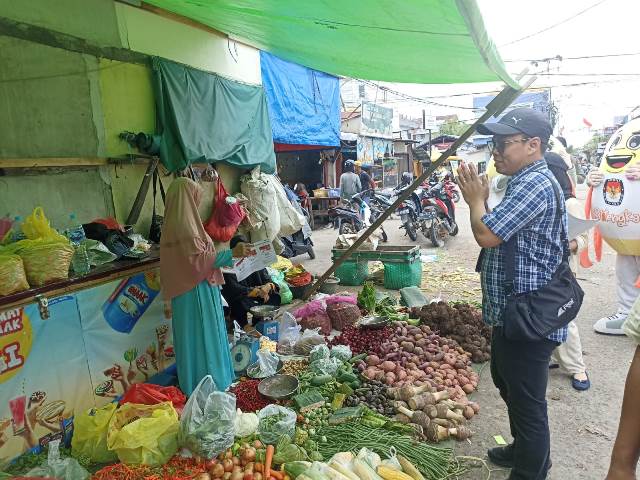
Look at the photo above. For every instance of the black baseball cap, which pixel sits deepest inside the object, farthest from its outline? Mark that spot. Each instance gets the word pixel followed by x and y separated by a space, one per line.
pixel 527 121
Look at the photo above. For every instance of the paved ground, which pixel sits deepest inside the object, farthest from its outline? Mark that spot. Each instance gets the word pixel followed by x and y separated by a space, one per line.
pixel 583 424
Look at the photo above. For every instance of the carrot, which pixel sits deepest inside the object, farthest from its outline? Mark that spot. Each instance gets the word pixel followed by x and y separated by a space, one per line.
pixel 277 475
pixel 258 467
pixel 268 459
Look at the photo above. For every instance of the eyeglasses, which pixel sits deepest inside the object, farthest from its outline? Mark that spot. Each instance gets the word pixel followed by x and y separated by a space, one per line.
pixel 501 145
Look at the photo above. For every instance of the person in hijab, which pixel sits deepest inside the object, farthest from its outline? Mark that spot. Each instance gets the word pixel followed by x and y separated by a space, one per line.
pixel 257 289
pixel 190 278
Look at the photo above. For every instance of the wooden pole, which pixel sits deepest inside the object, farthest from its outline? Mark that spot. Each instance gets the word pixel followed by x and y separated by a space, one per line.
pixel 497 105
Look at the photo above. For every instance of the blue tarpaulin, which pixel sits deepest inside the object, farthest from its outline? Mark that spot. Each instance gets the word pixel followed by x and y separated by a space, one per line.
pixel 303 104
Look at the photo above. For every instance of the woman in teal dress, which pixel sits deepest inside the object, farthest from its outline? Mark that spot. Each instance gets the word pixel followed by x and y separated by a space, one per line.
pixel 191 278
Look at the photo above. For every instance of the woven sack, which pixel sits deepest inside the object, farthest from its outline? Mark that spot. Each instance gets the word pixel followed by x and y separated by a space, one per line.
pixel 46 263
pixel 342 315
pixel 317 320
pixel 12 276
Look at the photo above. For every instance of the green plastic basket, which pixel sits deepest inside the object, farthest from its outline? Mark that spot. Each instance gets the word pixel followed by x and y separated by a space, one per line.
pixel 401 275
pixel 352 273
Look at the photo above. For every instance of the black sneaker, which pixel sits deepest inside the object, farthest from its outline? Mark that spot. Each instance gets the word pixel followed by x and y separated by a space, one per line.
pixel 501 456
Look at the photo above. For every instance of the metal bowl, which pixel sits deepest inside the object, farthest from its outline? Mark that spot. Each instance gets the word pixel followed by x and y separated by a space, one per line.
pixel 373 322
pixel 262 311
pixel 331 286
pixel 278 387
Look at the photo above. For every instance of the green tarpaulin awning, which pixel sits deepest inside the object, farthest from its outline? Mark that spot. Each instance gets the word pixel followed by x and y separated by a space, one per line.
pixel 413 41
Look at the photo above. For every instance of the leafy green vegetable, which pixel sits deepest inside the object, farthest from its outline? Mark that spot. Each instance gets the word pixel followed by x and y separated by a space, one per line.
pixel 367 297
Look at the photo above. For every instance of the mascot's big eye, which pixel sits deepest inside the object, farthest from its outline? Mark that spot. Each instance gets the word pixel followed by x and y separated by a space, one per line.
pixel 616 141
pixel 634 142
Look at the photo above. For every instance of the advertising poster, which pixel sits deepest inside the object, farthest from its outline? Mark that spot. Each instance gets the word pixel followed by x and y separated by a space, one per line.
pixel 126 335
pixel 44 377
pixel 371 149
pixel 377 121
pixel 94 344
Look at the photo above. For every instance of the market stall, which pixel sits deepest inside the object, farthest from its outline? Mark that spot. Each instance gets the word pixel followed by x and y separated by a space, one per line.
pixel 344 386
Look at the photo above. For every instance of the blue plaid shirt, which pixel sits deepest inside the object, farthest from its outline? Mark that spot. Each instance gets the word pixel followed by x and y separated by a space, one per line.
pixel 528 211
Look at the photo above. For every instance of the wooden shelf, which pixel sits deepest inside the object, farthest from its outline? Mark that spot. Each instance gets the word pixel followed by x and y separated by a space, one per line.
pixel 98 276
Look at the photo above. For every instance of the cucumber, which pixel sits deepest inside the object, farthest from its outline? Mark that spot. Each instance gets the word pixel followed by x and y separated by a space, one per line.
pixel 347 377
pixel 319 380
pixel 357 358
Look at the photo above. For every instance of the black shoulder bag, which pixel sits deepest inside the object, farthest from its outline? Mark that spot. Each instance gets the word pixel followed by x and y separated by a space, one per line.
pixel 155 230
pixel 532 316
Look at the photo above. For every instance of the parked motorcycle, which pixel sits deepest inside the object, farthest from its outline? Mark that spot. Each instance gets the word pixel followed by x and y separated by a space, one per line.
pixel 452 190
pixel 300 242
pixel 355 215
pixel 437 219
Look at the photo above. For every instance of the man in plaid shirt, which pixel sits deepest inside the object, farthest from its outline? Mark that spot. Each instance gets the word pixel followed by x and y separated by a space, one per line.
pixel 528 213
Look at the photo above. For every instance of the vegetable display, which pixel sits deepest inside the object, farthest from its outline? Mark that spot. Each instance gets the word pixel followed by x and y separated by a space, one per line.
pixel 415 356
pixel 374 395
pixel 248 399
pixel 433 462
pixel 362 340
pixel 461 322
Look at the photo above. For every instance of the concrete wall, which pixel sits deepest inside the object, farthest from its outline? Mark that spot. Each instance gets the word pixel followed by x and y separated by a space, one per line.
pixel 58 103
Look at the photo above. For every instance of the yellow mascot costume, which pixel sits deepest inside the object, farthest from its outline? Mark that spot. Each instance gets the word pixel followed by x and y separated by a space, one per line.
pixel 614 200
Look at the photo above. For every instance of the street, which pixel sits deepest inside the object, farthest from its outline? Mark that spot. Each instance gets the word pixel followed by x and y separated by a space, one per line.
pixel 583 424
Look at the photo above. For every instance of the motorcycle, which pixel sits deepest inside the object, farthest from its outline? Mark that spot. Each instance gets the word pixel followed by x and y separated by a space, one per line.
pixel 437 219
pixel 452 190
pixel 355 215
pixel 300 242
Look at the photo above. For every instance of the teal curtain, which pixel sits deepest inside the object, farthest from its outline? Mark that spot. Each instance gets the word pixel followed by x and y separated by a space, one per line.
pixel 204 118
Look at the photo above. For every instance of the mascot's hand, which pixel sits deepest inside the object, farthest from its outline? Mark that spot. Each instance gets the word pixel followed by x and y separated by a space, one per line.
pixel 633 172
pixel 595 178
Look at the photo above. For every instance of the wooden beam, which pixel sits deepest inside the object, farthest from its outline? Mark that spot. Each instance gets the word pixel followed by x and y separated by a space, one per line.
pixel 51 38
pixel 49 162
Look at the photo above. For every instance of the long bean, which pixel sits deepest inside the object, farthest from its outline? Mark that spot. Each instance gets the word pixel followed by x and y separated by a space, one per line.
pixel 435 463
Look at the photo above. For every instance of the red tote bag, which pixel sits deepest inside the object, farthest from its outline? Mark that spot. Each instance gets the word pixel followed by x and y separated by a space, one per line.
pixel 225 217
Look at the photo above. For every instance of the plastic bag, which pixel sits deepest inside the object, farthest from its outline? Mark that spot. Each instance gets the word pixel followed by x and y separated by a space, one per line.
pixel 340 299
pixel 341 352
pixel 289 334
pixel 149 394
pixel 144 434
pixel 56 467
pixel 90 434
pixel 262 205
pixel 287 451
pixel 208 422
pixel 319 352
pixel 309 339
pixel 271 429
pixel 325 366
pixel 37 226
pixel 314 315
pixel 225 217
pixel 246 423
pixel 286 296
pixel 290 220
pixel 98 253
pixel 266 365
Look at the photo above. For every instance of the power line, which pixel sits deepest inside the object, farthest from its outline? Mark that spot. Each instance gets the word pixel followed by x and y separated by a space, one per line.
pixel 604 74
pixel 582 57
pixel 555 24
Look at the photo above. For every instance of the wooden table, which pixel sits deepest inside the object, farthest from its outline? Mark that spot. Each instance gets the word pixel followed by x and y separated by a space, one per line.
pixel 320 207
pixel 97 276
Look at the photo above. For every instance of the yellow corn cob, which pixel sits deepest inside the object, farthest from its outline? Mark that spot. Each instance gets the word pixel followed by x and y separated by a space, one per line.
pixel 391 474
pixel 409 468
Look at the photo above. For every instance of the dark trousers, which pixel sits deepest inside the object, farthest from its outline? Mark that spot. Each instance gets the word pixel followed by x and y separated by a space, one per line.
pixel 520 370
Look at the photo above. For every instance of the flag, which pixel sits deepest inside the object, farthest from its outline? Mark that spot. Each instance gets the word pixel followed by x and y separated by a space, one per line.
pixel 587 122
